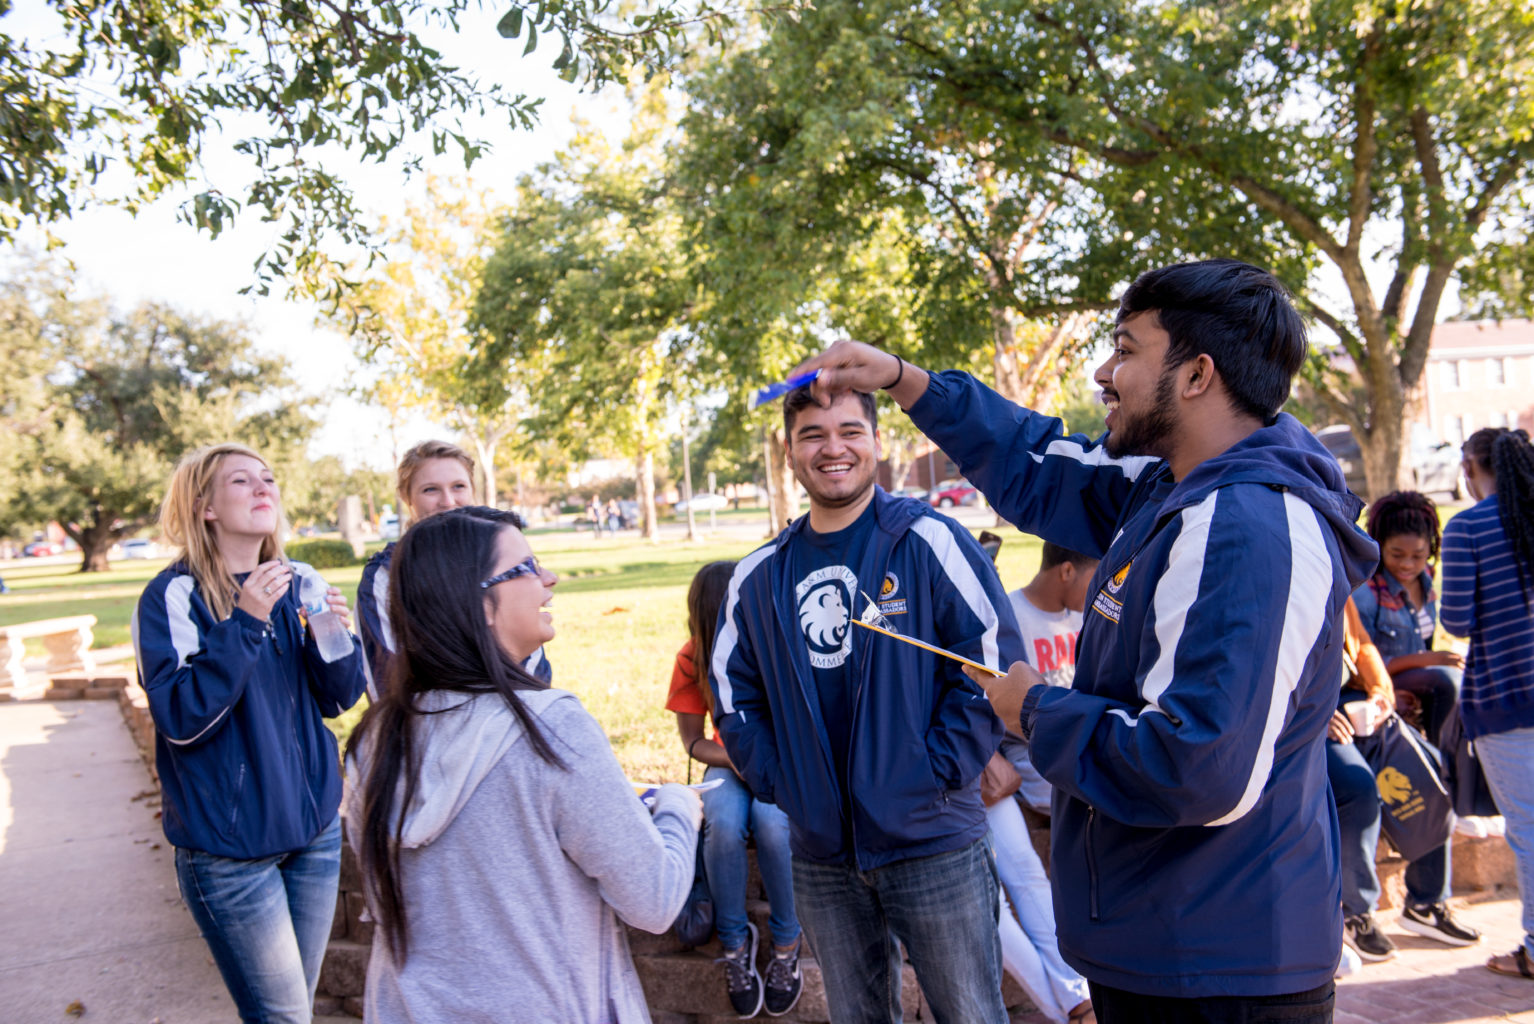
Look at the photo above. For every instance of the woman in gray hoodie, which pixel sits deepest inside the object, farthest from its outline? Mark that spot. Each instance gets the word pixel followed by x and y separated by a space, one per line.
pixel 499 841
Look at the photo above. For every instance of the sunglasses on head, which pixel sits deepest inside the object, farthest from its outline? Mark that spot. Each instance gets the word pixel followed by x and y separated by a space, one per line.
pixel 527 567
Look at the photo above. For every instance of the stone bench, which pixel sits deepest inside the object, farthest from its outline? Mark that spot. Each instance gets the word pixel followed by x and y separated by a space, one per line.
pixel 67 639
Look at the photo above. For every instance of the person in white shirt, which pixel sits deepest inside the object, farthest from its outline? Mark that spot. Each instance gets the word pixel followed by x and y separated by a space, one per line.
pixel 1049 610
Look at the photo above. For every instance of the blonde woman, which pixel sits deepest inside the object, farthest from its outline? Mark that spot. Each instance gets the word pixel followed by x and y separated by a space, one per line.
pixel 433 477
pixel 238 691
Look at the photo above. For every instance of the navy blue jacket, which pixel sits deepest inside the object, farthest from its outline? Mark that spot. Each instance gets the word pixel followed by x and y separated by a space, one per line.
pixel 921 730
pixel 1195 843
pixel 247 767
pixel 378 634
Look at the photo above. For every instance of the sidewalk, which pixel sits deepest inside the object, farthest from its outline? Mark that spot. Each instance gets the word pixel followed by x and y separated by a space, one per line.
pixel 91 909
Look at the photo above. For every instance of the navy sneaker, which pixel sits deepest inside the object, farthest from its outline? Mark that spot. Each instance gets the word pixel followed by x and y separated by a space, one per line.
pixel 741 981
pixel 784 980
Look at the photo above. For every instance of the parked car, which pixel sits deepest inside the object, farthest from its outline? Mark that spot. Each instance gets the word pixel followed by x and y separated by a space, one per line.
pixel 703 502
pixel 949 493
pixel 628 512
pixel 42 548
pixel 1434 463
pixel 139 547
pixel 388 526
pixel 919 493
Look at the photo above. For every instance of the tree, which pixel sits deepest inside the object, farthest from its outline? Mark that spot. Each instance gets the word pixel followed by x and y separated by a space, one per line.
pixel 126 111
pixel 1387 144
pixel 409 318
pixel 110 402
pixel 587 302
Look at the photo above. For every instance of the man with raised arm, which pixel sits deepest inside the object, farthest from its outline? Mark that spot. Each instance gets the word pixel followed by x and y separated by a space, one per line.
pixel 1195 843
pixel 873 747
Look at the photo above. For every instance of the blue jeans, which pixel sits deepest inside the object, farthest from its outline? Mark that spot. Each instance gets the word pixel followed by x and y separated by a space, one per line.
pixel 1358 820
pixel 1507 758
pixel 1437 687
pixel 730 816
pixel 266 922
pixel 943 907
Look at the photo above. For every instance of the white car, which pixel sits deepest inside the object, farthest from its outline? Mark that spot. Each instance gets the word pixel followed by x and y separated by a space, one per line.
pixel 704 502
pixel 139 547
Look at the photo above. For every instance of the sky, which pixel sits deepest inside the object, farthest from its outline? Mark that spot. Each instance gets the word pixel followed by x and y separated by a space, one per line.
pixel 153 257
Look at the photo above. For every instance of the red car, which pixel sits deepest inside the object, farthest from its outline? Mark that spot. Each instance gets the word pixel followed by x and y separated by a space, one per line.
pixel 39 548
pixel 949 493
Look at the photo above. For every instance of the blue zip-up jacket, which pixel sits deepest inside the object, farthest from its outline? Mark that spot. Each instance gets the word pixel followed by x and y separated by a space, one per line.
pixel 378 634
pixel 1390 618
pixel 247 767
pixel 921 730
pixel 1485 599
pixel 1195 843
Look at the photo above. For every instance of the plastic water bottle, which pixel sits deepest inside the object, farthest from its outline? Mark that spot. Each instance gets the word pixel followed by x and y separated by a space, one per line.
pixel 330 633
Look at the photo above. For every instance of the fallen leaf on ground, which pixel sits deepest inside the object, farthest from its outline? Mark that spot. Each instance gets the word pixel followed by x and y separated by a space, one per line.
pixel 615 611
pixel 75 1009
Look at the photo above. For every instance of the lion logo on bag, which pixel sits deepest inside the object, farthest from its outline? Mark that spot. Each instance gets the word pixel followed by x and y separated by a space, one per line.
pixel 1394 787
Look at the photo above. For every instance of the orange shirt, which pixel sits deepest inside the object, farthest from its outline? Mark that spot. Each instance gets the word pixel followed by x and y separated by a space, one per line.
pixel 686 697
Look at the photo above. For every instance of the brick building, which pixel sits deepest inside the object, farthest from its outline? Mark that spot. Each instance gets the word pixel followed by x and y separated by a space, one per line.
pixel 1480 373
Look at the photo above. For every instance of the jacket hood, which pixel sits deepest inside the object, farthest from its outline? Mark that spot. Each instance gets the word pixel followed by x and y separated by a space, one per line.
pixel 460 739
pixel 1286 456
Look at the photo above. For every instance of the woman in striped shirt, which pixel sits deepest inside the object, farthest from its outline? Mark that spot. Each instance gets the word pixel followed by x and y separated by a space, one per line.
pixel 1488 571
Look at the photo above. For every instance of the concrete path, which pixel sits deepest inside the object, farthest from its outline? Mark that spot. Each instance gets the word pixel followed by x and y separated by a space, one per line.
pixel 91 913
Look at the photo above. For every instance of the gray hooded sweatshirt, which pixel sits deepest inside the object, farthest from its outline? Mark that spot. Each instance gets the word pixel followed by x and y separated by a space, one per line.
pixel 515 872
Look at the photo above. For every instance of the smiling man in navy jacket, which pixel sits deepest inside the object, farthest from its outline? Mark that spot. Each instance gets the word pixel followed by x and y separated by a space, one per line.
pixel 1194 837
pixel 871 746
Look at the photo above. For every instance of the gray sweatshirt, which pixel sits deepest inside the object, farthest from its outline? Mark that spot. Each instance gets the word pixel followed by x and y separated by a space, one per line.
pixel 515 872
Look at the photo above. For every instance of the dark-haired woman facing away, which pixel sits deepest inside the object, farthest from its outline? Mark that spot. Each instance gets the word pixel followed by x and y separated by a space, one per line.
pixel 1488 573
pixel 498 838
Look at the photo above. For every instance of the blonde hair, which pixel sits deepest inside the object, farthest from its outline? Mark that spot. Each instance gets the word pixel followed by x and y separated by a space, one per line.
pixel 418 456
pixel 183 524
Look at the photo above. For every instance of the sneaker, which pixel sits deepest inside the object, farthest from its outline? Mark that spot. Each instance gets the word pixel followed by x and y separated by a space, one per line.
pixel 1348 964
pixel 1371 945
pixel 1435 922
pixel 1471 827
pixel 784 980
pixel 740 978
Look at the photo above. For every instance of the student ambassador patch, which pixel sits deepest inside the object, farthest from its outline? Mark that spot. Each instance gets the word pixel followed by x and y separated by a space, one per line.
pixel 824 599
pixel 1107 603
pixel 890 601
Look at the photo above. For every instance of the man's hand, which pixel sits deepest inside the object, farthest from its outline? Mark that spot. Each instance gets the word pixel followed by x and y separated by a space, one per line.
pixel 1340 728
pixel 1007 692
pixel 854 366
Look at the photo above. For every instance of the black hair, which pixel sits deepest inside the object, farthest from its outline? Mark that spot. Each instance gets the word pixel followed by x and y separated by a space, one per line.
pixel 1408 513
pixel 800 398
pixel 1055 555
pixel 442 642
pixel 1509 458
pixel 704 599
pixel 1238 315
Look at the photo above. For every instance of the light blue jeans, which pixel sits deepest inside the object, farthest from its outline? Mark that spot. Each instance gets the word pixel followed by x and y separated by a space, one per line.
pixel 1507 758
pixel 943 907
pixel 267 922
pixel 731 815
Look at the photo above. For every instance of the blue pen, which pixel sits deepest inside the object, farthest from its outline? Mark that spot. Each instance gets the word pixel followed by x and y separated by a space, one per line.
pixel 782 388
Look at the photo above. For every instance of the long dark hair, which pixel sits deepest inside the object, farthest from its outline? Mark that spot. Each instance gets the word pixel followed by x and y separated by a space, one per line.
pixel 704 599
pixel 442 643
pixel 1509 457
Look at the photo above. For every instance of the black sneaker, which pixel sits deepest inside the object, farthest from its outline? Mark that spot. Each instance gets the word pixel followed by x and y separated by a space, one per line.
pixel 1435 922
pixel 740 978
pixel 784 981
pixel 1367 941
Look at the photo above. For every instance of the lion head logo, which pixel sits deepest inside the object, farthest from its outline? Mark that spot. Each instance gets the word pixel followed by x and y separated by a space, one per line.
pixel 890 587
pixel 1394 787
pixel 823 616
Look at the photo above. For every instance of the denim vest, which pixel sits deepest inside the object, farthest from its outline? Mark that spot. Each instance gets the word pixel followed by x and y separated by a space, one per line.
pixel 1389 617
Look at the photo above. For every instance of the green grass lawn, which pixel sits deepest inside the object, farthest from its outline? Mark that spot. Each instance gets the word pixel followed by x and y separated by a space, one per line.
pixel 620 611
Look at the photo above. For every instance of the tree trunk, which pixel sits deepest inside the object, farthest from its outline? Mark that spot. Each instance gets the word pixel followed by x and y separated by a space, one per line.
pixel 96 541
pixel 901 457
pixel 1007 360
pixel 783 489
pixel 1046 368
pixel 644 477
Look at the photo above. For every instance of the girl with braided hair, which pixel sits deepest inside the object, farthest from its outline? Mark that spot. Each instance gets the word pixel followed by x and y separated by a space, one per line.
pixel 1399 607
pixel 1488 564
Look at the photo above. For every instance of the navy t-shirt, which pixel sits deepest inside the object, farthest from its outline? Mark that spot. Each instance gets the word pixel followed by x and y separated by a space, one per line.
pixel 827 595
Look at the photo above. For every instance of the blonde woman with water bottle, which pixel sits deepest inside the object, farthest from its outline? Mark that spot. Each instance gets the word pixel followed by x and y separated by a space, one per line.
pixel 238 686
